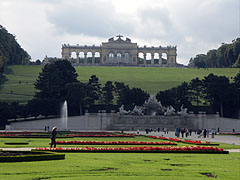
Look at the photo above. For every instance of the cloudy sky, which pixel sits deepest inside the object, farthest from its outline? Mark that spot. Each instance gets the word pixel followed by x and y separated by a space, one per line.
pixel 195 26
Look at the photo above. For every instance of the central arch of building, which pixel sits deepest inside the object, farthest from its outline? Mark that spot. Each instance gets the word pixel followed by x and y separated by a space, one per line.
pixel 120 52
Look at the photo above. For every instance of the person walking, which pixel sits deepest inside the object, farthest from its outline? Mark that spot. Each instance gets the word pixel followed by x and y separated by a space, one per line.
pixel 53 137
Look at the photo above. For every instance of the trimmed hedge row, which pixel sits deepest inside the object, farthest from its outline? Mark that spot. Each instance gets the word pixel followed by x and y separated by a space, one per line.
pixel 16 143
pixel 187 149
pixel 142 151
pixel 36 156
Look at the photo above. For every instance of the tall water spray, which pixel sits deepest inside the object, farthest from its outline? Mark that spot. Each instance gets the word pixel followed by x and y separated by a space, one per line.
pixel 64 116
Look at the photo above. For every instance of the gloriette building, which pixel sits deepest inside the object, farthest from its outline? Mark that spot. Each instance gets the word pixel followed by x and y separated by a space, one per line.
pixel 120 52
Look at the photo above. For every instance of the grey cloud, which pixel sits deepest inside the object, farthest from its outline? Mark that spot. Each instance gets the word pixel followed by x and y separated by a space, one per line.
pixel 90 18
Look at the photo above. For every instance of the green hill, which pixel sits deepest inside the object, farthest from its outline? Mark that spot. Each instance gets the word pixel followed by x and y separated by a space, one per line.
pixel 20 79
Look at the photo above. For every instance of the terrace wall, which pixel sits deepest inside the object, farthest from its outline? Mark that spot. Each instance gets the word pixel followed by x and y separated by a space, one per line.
pixel 114 121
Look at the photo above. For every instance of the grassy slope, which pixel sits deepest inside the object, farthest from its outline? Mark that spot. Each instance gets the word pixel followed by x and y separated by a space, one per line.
pixel 122 165
pixel 149 79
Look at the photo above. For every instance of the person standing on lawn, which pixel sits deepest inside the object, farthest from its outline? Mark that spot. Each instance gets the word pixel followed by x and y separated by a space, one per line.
pixel 53 136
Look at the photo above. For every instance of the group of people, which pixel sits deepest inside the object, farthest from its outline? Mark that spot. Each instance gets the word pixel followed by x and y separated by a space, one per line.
pixel 165 130
pixel 200 132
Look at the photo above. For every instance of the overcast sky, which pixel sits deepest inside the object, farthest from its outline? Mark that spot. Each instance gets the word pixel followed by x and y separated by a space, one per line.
pixel 195 26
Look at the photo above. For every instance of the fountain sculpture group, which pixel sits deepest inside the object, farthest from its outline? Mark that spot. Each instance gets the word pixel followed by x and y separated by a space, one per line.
pixel 153 108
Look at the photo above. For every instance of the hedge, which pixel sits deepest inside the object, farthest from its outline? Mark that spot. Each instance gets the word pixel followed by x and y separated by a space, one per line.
pixel 36 156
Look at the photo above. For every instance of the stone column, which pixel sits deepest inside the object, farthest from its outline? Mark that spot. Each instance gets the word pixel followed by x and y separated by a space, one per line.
pixel 85 58
pixel 160 58
pixel 78 60
pixel 152 60
pixel 144 59
pixel 93 58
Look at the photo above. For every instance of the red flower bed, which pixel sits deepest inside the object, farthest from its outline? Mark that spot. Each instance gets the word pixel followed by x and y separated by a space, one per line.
pixel 196 142
pixel 101 135
pixel 187 149
pixel 95 132
pixel 181 140
pixel 229 133
pixel 114 143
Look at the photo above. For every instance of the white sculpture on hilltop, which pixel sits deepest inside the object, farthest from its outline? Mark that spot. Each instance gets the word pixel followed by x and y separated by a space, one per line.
pixel 183 111
pixel 170 111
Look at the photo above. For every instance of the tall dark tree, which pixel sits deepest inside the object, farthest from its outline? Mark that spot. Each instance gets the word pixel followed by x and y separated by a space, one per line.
pixel 77 97
pixel 123 93
pixel 94 89
pixel 108 92
pixel 167 97
pixel 138 96
pixel 51 84
pixel 217 90
pixel 53 78
pixel 196 87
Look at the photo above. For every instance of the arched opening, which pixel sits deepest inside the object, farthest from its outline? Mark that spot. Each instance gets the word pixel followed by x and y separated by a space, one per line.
pixel 89 57
pixel 127 58
pixel 164 58
pixel 74 55
pixel 148 58
pixel 81 57
pixel 119 58
pixel 156 58
pixel 110 58
pixel 140 58
pixel 97 57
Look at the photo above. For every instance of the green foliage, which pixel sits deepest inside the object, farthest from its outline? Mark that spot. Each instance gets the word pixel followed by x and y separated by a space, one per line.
pixel 223 96
pixel 177 96
pixel 227 55
pixel 10 51
pixel 108 92
pixel 130 96
pixel 53 78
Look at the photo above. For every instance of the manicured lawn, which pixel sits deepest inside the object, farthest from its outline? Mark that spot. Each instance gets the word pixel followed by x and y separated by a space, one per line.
pixel 121 165
pixel 127 166
pixel 149 79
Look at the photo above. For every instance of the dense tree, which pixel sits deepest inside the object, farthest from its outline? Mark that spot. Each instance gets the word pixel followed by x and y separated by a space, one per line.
pixel 53 78
pixel 108 92
pixel 10 51
pixel 167 97
pixel 51 84
pixel 216 90
pixel 227 55
pixel 196 88
pixel 94 89
pixel 138 96
pixel 123 93
pixel 4 114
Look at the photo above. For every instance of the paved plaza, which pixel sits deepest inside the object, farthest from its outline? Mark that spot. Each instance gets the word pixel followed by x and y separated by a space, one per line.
pixel 234 140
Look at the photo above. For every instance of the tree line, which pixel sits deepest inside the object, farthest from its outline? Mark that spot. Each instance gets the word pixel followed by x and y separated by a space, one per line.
pixel 58 82
pixel 11 52
pixel 227 55
pixel 217 92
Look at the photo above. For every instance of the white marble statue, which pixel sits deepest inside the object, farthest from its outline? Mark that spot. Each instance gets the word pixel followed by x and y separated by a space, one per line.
pixel 137 111
pixel 183 111
pixel 122 110
pixel 170 111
